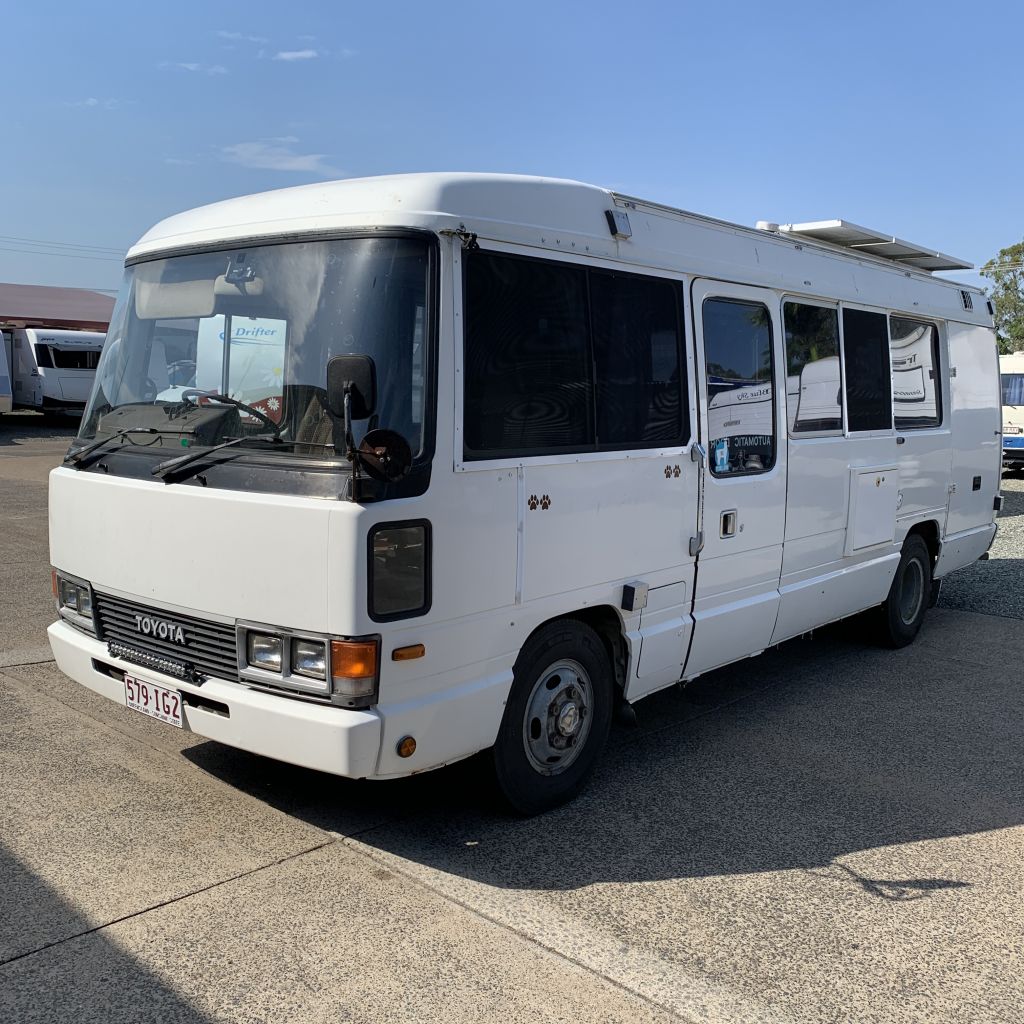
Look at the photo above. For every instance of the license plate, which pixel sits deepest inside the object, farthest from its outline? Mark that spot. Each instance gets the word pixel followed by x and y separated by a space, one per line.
pixel 153 700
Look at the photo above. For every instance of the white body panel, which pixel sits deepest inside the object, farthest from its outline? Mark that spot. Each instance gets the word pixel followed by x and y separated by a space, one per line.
pixel 45 374
pixel 817 537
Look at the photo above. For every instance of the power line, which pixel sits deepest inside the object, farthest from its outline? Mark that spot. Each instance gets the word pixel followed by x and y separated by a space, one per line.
pixel 63 245
pixel 64 255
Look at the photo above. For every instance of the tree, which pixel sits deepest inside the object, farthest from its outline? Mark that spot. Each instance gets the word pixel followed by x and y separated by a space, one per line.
pixel 1006 271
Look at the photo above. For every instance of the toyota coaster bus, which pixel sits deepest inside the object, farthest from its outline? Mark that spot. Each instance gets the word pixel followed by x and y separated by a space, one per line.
pixel 380 473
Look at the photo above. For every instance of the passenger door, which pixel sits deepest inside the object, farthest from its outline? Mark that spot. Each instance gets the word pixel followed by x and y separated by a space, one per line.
pixel 741 375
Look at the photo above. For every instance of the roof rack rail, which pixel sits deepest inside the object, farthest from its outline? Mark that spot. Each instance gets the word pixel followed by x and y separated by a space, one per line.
pixel 873 243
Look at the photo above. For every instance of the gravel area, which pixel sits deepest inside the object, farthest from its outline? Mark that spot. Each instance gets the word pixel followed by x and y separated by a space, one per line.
pixel 995 587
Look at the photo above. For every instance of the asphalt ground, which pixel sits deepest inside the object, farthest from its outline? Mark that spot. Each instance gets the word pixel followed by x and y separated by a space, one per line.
pixel 829 832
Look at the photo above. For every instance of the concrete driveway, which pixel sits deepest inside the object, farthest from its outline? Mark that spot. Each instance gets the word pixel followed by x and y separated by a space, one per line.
pixel 829 832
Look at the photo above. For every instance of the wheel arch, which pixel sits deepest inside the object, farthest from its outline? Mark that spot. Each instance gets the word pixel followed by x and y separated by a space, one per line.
pixel 928 531
pixel 606 622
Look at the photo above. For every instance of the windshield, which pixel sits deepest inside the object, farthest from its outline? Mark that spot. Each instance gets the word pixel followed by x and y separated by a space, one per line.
pixel 259 324
pixel 1013 388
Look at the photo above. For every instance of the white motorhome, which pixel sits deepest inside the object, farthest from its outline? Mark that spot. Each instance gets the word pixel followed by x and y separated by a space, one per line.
pixel 1011 376
pixel 512 451
pixel 53 370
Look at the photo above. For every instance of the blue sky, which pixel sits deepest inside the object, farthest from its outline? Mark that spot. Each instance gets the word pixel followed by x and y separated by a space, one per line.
pixel 886 114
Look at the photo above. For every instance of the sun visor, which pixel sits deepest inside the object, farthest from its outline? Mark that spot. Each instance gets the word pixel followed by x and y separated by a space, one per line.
pixel 157 299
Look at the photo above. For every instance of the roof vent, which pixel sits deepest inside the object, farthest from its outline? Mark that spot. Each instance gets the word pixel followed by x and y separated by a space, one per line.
pixel 967 300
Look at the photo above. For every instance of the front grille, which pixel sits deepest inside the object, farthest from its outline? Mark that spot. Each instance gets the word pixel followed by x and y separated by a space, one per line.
pixel 209 647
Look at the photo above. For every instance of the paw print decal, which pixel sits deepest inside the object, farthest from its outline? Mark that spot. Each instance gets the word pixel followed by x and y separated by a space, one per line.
pixel 533 503
pixel 545 503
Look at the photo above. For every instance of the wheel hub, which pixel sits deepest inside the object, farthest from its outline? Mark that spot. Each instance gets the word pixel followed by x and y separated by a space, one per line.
pixel 557 720
pixel 568 718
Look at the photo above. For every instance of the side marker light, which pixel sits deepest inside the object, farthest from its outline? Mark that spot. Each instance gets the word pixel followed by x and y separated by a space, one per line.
pixel 409 653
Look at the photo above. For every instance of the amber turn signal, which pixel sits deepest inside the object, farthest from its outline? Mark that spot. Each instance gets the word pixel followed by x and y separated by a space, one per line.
pixel 53 582
pixel 408 653
pixel 406 746
pixel 353 659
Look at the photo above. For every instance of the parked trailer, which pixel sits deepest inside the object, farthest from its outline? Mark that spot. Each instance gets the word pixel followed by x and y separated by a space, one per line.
pixel 54 370
pixel 6 384
pixel 1011 376
pixel 514 451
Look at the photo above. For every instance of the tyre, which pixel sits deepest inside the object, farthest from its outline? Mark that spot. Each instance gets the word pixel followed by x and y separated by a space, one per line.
pixel 556 719
pixel 904 609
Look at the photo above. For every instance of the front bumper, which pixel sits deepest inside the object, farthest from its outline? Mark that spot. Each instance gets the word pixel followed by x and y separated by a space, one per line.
pixel 328 739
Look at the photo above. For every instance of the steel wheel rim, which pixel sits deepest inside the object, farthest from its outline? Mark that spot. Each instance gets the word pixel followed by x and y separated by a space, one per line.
pixel 911 591
pixel 558 717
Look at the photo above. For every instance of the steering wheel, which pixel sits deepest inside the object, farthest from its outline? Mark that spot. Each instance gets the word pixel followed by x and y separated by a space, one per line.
pixel 190 395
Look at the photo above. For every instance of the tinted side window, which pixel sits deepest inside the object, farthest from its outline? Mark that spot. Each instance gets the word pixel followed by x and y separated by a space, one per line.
pixel 916 395
pixel 637 344
pixel 814 386
pixel 528 370
pixel 741 406
pixel 866 370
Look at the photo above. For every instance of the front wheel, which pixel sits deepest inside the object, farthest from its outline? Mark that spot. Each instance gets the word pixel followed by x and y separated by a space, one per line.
pixel 903 611
pixel 557 717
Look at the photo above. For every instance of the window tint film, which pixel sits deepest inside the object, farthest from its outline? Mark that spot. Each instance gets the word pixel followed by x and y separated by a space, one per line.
pixel 866 371
pixel 813 381
pixel 527 363
pixel 738 357
pixel 637 345
pixel 916 395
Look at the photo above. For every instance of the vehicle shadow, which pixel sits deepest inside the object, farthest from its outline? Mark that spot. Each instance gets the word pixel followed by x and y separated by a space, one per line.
pixel 818 749
pixel 85 978
pixel 21 427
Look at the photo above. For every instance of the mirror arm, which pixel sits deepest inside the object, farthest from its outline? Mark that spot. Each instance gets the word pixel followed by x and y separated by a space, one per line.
pixel 350 448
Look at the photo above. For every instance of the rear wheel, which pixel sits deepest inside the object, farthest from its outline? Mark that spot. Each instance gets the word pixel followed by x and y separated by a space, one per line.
pixel 904 609
pixel 557 717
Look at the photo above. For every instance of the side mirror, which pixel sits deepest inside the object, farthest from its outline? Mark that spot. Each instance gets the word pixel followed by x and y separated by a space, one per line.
pixel 358 373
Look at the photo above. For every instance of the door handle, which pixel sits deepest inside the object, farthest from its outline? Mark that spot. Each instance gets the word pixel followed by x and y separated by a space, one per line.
pixel 728 524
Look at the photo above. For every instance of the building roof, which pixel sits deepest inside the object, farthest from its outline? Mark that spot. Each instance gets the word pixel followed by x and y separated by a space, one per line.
pixel 33 305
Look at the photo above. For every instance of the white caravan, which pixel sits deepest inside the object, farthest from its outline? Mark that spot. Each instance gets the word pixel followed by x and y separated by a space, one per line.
pixel 1011 376
pixel 509 453
pixel 54 370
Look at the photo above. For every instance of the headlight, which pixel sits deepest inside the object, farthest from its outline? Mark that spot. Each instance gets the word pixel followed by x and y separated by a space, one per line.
pixel 74 601
pixel 265 652
pixel 344 672
pixel 309 658
pixel 399 570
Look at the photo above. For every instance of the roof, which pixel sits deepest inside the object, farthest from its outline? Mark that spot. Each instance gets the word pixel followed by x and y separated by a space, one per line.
pixel 406 200
pixel 33 305
pixel 570 216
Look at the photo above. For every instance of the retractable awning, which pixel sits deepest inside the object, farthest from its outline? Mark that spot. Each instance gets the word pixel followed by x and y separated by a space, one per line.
pixel 876 243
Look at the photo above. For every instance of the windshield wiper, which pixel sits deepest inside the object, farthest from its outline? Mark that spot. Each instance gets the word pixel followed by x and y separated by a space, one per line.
pixel 76 458
pixel 169 466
